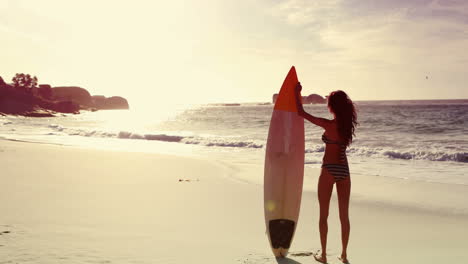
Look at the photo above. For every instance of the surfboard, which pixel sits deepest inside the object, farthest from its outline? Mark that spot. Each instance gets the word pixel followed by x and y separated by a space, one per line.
pixel 284 168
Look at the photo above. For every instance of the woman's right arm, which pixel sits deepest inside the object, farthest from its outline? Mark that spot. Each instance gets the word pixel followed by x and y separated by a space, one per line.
pixel 322 122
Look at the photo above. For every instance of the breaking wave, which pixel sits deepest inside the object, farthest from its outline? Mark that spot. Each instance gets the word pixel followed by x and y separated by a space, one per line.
pixel 404 155
pixel 426 155
pixel 316 149
pixel 205 141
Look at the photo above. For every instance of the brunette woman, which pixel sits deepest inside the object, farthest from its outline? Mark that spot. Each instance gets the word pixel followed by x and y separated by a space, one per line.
pixel 337 137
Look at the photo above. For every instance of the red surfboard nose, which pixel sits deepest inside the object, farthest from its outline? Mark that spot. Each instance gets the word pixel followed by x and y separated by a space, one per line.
pixel 286 100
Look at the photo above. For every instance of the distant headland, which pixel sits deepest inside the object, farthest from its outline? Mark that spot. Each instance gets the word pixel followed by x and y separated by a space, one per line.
pixel 25 97
pixel 310 99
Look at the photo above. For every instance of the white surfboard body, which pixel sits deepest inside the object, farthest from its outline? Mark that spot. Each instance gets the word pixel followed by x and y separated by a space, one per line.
pixel 284 169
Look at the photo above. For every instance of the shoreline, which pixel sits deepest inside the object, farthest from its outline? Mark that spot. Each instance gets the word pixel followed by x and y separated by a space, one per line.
pixel 371 190
pixel 84 205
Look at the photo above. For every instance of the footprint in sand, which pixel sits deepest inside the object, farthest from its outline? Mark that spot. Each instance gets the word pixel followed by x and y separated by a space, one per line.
pixel 297 257
pixel 301 254
pixel 188 180
pixel 331 256
pixel 263 259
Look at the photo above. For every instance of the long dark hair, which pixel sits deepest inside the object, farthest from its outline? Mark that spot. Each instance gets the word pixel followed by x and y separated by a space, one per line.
pixel 345 114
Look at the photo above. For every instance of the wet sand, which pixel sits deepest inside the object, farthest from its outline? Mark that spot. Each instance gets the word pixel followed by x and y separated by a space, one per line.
pixel 73 205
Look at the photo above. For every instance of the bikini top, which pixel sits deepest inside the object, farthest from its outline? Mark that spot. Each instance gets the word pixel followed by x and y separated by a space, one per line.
pixel 328 141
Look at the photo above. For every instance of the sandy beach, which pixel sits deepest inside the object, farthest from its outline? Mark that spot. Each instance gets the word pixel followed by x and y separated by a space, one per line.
pixel 146 132
pixel 75 205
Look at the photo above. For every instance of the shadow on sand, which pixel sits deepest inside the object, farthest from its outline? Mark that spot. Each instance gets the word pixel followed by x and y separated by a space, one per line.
pixel 286 260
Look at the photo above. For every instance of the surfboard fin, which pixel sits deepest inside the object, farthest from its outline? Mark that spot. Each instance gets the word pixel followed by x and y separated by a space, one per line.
pixel 281 232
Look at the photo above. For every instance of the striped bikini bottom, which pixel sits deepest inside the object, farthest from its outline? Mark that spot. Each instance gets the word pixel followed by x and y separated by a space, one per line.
pixel 339 171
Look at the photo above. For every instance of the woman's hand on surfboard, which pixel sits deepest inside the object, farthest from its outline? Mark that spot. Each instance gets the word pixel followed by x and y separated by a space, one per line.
pixel 298 87
pixel 300 108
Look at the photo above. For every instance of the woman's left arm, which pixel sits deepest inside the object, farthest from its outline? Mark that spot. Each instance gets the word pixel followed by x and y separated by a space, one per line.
pixel 322 122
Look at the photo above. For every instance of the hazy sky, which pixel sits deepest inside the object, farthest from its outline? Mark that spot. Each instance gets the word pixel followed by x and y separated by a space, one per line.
pixel 162 52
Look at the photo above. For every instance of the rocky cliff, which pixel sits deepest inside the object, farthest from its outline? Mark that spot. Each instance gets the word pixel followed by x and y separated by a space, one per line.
pixel 314 99
pixel 46 101
pixel 310 99
pixel 72 93
pixel 114 102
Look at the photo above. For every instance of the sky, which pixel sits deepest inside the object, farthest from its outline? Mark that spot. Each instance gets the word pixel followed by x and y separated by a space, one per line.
pixel 208 51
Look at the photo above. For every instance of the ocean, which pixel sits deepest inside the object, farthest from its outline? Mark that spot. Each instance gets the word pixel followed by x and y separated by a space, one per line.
pixel 423 140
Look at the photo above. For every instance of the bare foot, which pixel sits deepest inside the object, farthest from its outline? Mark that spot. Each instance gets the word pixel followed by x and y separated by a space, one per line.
pixel 322 258
pixel 343 259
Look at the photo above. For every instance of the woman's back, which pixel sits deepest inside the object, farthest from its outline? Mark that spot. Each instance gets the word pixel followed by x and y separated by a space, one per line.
pixel 335 148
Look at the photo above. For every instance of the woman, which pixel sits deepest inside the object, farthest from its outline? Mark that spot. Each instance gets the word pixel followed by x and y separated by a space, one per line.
pixel 338 135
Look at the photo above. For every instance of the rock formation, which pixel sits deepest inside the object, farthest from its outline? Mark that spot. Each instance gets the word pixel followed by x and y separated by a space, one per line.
pixel 45 91
pixel 114 102
pixel 314 99
pixel 45 101
pixel 18 102
pixel 72 93
pixel 311 99
pixel 275 96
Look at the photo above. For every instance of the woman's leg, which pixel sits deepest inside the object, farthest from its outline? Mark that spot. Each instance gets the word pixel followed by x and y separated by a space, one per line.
pixel 343 189
pixel 325 188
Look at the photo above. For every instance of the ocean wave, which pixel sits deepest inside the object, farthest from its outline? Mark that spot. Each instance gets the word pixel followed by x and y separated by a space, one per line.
pixel 432 156
pixel 380 152
pixel 315 149
pixel 365 151
pixel 222 143
pixel 237 144
pixel 56 127
pixel 205 141
pixel 159 137
pixel 313 162
pixel 209 142
pixel 90 133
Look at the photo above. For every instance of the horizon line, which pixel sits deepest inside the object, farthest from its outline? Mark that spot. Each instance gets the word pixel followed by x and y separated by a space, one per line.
pixel 366 100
